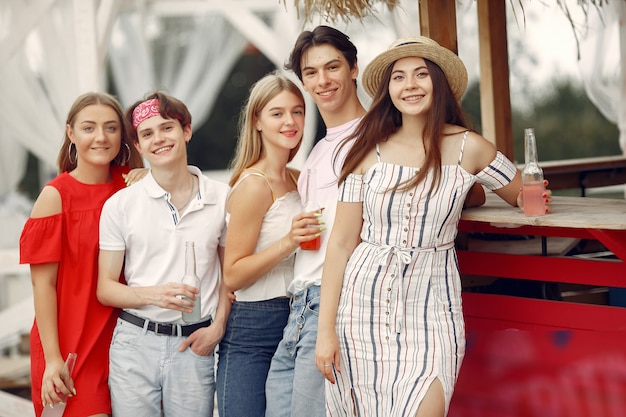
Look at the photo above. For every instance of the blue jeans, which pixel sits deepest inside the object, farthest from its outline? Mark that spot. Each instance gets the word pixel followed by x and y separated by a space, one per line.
pixel 147 373
pixel 295 388
pixel 253 332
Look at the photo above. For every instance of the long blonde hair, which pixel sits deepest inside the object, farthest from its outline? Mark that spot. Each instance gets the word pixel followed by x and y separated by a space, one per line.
pixel 250 143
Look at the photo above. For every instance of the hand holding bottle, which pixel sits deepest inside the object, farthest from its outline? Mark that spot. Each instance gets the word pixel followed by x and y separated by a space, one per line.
pixel 192 279
pixel 57 410
pixel 534 194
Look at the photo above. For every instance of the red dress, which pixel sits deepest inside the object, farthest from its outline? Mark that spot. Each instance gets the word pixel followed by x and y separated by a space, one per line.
pixel 85 326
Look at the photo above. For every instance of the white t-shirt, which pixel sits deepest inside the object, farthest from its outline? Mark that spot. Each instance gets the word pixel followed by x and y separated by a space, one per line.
pixel 309 263
pixel 141 221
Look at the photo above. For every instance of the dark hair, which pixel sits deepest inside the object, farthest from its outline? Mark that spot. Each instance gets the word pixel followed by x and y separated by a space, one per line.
pixel 127 154
pixel 321 35
pixel 383 119
pixel 169 108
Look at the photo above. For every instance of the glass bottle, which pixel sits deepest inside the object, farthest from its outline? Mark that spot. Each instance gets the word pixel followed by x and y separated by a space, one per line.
pixel 191 278
pixel 310 204
pixel 58 409
pixel 532 178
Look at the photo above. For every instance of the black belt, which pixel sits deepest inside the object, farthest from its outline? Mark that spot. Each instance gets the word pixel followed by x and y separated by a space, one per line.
pixel 168 329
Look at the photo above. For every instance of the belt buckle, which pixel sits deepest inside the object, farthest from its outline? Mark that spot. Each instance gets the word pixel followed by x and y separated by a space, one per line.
pixel 163 328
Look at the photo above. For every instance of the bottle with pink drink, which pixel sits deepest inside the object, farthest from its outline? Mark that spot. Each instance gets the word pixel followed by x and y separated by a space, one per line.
pixel 532 178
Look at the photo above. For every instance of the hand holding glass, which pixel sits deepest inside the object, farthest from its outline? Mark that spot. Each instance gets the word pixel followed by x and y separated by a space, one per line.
pixel 310 204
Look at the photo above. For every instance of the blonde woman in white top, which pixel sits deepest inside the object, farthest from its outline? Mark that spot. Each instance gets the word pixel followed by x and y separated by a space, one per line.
pixel 265 227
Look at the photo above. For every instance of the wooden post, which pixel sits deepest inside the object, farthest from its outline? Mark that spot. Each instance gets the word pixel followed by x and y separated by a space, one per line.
pixel 495 96
pixel 438 22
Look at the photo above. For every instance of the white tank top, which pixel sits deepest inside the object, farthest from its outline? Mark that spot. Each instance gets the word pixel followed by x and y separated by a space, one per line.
pixel 276 224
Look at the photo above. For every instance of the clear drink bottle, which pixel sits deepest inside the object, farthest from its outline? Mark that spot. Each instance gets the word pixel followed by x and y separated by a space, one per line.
pixel 310 204
pixel 58 409
pixel 192 279
pixel 532 178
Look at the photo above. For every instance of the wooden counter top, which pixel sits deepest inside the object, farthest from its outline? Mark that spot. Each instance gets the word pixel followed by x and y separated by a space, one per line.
pixel 572 212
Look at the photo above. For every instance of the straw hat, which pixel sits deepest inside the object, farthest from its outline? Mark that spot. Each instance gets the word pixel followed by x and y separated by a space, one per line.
pixel 422 47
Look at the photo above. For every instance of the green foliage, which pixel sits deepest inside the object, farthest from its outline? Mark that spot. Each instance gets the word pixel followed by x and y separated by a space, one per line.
pixel 471 106
pixel 567 126
pixel 566 123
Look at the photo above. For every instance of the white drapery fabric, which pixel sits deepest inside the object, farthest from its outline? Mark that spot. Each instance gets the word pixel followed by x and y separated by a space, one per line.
pixel 603 56
pixel 39 70
pixel 46 45
pixel 194 59
pixel 602 62
pixel 40 76
pixel 51 51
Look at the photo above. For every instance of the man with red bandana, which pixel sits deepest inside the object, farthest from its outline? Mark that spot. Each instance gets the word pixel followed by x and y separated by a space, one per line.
pixel 160 364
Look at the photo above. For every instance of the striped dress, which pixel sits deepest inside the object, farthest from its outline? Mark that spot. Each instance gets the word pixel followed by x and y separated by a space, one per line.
pixel 400 322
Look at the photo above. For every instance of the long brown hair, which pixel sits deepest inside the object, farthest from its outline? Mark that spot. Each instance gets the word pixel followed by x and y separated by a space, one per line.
pixel 127 155
pixel 383 119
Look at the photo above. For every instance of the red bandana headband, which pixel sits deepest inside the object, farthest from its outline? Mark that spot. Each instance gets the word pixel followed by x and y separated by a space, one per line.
pixel 145 110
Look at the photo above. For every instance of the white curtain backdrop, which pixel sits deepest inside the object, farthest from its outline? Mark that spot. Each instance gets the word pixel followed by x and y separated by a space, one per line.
pixel 39 66
pixel 51 51
pixel 190 61
pixel 38 70
pixel 603 56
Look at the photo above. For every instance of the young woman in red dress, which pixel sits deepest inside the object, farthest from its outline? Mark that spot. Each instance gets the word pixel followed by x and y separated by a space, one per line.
pixel 60 242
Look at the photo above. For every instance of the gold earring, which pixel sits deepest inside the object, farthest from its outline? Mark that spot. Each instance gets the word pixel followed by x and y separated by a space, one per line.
pixel 69 154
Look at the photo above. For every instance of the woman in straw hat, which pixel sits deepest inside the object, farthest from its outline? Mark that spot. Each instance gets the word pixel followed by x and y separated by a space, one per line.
pixel 391 336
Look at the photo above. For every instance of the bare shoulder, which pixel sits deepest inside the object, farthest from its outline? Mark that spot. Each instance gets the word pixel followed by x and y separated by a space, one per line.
pixel 367 162
pixel 477 152
pixel 456 134
pixel 251 192
pixel 48 203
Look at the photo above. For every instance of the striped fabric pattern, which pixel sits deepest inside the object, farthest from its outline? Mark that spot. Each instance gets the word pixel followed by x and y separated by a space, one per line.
pixel 400 321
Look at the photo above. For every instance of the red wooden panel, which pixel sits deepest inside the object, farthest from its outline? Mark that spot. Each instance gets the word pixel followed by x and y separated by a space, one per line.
pixel 507 311
pixel 537 358
pixel 599 272
pixel 516 373
pixel 614 240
